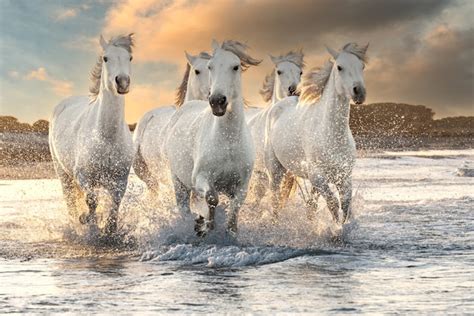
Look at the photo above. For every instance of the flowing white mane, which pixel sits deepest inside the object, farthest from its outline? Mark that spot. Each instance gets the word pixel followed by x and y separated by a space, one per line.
pixel 295 57
pixel 123 41
pixel 239 49
pixel 313 82
pixel 182 89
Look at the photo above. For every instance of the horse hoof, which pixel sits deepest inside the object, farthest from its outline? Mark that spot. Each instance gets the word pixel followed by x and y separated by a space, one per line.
pixel 232 232
pixel 111 229
pixel 85 218
pixel 203 226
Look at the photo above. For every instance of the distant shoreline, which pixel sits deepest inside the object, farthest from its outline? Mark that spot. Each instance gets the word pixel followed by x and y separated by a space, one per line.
pixel 26 155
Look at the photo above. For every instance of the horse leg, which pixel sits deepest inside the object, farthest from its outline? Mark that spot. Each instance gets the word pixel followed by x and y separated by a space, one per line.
pixel 259 187
pixel 117 193
pixel 182 195
pixel 321 186
pixel 345 192
pixel 71 192
pixel 287 188
pixel 276 172
pixel 236 201
pixel 204 190
pixel 91 199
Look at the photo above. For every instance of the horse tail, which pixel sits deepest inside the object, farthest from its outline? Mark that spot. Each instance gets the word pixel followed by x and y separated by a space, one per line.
pixel 288 188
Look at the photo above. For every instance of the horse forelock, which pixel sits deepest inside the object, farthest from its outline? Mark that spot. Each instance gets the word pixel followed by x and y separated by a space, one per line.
pixel 357 50
pixel 295 57
pixel 239 49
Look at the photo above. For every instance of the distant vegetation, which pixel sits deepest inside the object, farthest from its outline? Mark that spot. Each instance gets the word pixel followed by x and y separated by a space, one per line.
pixel 12 125
pixel 396 119
pixel 375 126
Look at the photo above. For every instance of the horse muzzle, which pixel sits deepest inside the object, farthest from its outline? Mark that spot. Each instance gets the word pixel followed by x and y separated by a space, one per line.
pixel 122 83
pixel 218 103
pixel 358 94
pixel 293 91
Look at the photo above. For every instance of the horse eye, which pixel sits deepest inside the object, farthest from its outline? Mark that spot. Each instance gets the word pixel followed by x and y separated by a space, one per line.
pixel 105 59
pixel 236 68
pixel 279 72
pixel 301 73
pixel 339 68
pixel 197 72
pixel 209 67
pixel 131 58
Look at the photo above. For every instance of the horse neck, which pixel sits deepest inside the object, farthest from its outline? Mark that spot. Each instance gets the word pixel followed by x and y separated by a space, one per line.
pixel 333 111
pixel 110 113
pixel 234 118
pixel 189 96
pixel 275 98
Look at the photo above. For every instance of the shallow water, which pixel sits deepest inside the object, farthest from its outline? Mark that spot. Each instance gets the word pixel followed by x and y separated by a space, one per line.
pixel 408 249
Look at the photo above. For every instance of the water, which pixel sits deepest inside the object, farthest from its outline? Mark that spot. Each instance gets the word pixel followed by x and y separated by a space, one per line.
pixel 409 249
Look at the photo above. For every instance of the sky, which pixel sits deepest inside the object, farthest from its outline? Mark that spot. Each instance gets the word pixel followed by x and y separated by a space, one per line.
pixel 421 52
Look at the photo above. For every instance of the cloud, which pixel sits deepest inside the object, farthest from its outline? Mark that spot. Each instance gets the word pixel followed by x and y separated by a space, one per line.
pixel 418 48
pixel 69 13
pixel 65 14
pixel 437 71
pixel 165 29
pixel 144 97
pixel 37 74
pixel 14 74
pixel 60 87
pixel 83 43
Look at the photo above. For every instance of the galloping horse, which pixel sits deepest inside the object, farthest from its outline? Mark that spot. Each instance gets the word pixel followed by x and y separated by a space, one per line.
pixel 208 144
pixel 148 136
pixel 280 84
pixel 311 137
pixel 91 145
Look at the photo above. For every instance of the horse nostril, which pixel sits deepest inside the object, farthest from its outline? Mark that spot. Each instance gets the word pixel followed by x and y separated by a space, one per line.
pixel 356 90
pixel 222 100
pixel 117 80
pixel 292 89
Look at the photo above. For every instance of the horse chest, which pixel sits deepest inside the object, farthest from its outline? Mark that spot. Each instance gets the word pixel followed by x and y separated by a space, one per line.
pixel 103 155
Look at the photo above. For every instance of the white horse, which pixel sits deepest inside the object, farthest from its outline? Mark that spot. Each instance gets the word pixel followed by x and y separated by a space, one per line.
pixel 209 147
pixel 281 83
pixel 311 138
pixel 91 145
pixel 149 133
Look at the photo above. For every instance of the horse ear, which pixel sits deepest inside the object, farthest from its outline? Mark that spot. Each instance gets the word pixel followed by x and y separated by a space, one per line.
pixel 274 59
pixel 332 52
pixel 215 45
pixel 102 42
pixel 366 47
pixel 190 58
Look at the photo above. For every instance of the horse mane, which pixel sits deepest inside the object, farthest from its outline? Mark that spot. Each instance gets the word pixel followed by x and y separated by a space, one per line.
pixel 314 81
pixel 312 85
pixel 268 85
pixel 123 41
pixel 239 49
pixel 183 87
pixel 295 57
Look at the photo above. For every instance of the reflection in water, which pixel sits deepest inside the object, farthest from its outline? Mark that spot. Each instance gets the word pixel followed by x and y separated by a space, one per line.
pixel 409 250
